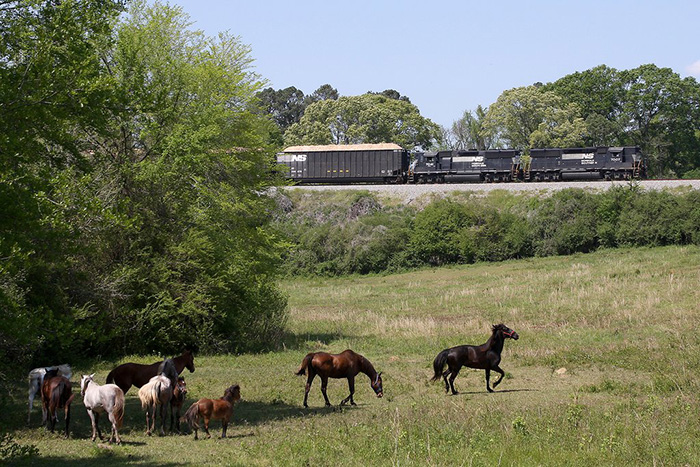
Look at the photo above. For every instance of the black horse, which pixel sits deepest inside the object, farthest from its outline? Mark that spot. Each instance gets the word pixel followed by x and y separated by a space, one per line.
pixel 485 357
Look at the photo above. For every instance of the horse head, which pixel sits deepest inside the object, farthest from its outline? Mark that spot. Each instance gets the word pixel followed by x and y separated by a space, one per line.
pixel 233 393
pixel 84 382
pixel 377 385
pixel 181 386
pixel 189 364
pixel 507 332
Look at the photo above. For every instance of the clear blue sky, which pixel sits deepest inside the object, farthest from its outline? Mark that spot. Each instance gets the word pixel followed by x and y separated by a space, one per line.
pixel 450 56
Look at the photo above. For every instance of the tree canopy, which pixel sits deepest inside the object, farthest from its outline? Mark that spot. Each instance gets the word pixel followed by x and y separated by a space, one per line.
pixel 369 118
pixel 133 164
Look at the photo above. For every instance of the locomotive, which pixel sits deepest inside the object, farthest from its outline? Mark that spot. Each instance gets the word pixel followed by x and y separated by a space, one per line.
pixel 390 163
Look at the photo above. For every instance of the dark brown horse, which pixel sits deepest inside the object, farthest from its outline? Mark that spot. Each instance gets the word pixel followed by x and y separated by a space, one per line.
pixel 179 394
pixel 217 409
pixel 135 374
pixel 343 365
pixel 56 393
pixel 486 357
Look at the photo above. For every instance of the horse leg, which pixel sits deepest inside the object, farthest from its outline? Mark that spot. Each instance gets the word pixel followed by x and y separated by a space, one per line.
pixel 66 412
pixel 115 433
pixel 92 421
pixel 148 420
pixel 224 425
pixel 32 394
pixel 497 369
pixel 488 376
pixel 324 385
pixel 445 374
pixel 453 374
pixel 206 426
pixel 351 386
pixel 309 380
pixel 162 419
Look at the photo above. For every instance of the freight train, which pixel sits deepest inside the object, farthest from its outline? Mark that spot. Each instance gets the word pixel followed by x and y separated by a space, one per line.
pixel 390 163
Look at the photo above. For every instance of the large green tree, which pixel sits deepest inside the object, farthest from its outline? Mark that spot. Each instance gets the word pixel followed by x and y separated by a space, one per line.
pixel 533 117
pixel 369 118
pixel 137 170
pixel 52 87
pixel 469 133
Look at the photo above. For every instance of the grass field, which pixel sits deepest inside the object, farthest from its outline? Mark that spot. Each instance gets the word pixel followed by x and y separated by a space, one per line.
pixel 604 373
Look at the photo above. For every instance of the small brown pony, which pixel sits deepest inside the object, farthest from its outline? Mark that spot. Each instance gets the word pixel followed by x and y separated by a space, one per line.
pixel 217 409
pixel 135 374
pixel 486 357
pixel 56 393
pixel 178 399
pixel 343 365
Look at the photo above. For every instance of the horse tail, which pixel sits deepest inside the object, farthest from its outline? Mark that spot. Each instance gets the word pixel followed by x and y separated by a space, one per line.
pixel 146 395
pixel 439 364
pixel 305 364
pixel 118 410
pixel 110 377
pixel 191 417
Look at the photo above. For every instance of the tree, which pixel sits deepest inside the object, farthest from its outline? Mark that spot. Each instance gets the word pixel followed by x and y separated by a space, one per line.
pixel 323 93
pixel 51 87
pixel 661 113
pixel 285 106
pixel 532 117
pixel 599 94
pixel 468 132
pixel 135 219
pixel 369 118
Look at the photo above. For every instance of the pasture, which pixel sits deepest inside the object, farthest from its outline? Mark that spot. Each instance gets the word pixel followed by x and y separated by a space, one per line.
pixel 604 373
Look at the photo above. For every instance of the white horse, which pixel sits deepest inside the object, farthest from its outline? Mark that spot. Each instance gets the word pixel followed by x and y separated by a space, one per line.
pixel 36 379
pixel 158 391
pixel 98 399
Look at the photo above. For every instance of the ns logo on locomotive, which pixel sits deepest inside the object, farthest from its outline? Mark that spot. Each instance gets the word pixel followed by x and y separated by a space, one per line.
pixel 390 163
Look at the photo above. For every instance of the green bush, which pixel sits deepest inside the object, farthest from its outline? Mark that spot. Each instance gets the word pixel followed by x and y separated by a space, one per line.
pixel 358 235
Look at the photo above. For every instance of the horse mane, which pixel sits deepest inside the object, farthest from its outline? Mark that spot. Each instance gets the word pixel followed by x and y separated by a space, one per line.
pixel 497 327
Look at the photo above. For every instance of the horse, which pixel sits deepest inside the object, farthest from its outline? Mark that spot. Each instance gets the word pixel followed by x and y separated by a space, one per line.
pixel 157 392
pixel 343 365
pixel 178 399
pixel 486 357
pixel 36 379
pixel 135 374
pixel 98 399
pixel 217 409
pixel 56 393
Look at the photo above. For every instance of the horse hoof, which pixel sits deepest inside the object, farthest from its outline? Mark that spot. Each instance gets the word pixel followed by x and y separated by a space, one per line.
pixel 352 403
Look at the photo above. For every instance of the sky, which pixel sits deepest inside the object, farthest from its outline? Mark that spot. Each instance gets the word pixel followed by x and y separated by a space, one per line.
pixel 450 56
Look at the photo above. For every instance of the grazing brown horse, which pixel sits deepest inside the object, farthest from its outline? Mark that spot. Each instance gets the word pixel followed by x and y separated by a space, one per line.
pixel 56 393
pixel 486 357
pixel 217 409
pixel 179 394
pixel 343 365
pixel 135 374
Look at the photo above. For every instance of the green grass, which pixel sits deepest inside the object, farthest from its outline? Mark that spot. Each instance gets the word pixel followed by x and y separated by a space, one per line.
pixel 621 322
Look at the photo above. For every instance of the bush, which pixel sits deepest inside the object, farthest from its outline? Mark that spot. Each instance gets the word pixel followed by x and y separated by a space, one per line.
pixel 353 233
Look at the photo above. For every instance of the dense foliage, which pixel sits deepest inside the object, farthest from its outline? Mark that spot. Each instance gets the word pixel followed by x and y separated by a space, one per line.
pixel 132 217
pixel 355 233
pixel 369 118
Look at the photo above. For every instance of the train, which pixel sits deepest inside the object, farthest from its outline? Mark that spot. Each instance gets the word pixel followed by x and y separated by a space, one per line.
pixel 389 163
